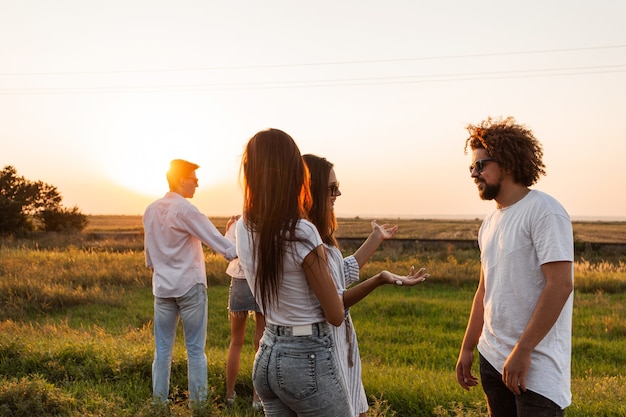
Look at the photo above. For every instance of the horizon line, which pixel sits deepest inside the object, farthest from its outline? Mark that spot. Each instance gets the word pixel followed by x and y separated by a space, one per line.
pixel 605 218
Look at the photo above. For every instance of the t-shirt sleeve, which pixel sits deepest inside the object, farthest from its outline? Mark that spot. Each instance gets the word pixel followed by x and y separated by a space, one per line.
pixel 553 238
pixel 351 269
pixel 308 238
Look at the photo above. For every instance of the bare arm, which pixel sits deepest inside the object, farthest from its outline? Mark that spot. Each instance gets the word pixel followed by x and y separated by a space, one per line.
pixel 232 220
pixel 379 233
pixel 472 333
pixel 355 294
pixel 321 282
pixel 559 285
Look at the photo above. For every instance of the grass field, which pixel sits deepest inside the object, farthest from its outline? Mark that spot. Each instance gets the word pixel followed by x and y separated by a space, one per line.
pixel 613 232
pixel 76 335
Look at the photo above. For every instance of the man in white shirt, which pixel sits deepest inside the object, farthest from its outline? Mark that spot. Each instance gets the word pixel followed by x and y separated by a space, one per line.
pixel 174 232
pixel 521 318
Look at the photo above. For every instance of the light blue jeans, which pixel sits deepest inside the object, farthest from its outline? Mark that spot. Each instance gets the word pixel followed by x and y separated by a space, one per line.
pixel 298 375
pixel 192 309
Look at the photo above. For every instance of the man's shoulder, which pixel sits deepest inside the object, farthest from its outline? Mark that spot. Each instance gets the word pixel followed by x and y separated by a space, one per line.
pixel 547 202
pixel 171 202
pixel 153 206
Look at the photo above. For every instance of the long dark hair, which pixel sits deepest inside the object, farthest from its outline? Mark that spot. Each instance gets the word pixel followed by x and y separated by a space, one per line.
pixel 320 214
pixel 276 196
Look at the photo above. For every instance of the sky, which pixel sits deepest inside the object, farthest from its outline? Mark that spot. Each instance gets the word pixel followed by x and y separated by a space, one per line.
pixel 97 97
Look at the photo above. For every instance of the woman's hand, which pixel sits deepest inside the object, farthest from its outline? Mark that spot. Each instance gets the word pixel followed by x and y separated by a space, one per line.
pixel 414 277
pixel 385 231
pixel 356 293
pixel 379 233
pixel 232 220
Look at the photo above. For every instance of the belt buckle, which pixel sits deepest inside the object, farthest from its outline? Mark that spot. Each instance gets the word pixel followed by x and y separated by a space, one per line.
pixel 305 330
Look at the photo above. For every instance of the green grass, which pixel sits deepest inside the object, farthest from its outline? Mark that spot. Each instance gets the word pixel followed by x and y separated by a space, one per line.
pixel 594 231
pixel 76 336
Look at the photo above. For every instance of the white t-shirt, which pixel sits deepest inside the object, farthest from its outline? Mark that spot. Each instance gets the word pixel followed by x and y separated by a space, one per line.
pixel 514 243
pixel 297 304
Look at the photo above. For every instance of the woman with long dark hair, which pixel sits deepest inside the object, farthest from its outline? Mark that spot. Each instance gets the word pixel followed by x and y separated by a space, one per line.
pixel 295 372
pixel 345 271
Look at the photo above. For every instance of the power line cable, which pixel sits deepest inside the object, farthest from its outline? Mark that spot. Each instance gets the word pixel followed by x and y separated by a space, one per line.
pixel 317 64
pixel 338 82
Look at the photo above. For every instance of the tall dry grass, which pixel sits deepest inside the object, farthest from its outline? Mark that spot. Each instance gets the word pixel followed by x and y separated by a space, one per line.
pixel 76 336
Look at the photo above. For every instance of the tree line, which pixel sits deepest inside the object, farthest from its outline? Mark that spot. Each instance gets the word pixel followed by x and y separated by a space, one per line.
pixel 27 205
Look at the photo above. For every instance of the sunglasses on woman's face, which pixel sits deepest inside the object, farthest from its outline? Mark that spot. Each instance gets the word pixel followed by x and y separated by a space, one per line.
pixel 334 189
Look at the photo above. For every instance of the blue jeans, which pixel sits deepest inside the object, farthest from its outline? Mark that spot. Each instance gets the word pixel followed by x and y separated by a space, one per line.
pixel 298 375
pixel 192 309
pixel 503 403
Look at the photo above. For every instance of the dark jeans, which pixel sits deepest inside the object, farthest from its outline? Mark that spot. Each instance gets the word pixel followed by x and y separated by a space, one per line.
pixel 503 403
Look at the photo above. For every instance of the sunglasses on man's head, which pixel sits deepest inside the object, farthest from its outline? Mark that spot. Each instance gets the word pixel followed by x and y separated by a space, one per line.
pixel 479 165
pixel 334 189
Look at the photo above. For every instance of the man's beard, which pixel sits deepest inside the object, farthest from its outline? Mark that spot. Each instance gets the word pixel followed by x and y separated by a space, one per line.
pixel 490 191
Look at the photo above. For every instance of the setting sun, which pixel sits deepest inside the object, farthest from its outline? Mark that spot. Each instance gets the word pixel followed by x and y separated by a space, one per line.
pixel 148 135
pixel 100 108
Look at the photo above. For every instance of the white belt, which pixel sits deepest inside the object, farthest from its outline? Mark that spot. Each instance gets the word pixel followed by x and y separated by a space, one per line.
pixel 304 330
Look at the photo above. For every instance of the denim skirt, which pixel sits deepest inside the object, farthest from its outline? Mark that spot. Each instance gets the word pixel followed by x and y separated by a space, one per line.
pixel 240 298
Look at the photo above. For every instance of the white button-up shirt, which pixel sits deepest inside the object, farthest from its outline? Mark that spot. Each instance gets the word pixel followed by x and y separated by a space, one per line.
pixel 174 232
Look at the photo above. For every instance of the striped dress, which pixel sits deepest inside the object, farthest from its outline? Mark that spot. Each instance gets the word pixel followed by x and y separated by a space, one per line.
pixel 345 272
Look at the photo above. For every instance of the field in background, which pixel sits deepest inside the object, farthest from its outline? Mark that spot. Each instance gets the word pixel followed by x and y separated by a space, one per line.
pixel 76 332
pixel 607 232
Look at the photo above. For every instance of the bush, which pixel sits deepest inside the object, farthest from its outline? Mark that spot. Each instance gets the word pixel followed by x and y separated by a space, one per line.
pixel 61 219
pixel 26 204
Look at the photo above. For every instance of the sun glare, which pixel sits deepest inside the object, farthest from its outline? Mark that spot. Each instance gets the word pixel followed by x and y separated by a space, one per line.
pixel 149 135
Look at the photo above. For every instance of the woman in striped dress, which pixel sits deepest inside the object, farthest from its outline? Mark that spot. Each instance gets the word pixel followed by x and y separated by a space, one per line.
pixel 325 190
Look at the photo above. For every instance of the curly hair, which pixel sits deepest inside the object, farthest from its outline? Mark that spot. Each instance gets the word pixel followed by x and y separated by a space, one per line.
pixel 512 145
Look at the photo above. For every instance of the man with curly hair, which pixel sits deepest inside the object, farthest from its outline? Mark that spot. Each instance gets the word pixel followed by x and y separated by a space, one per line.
pixel 521 317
